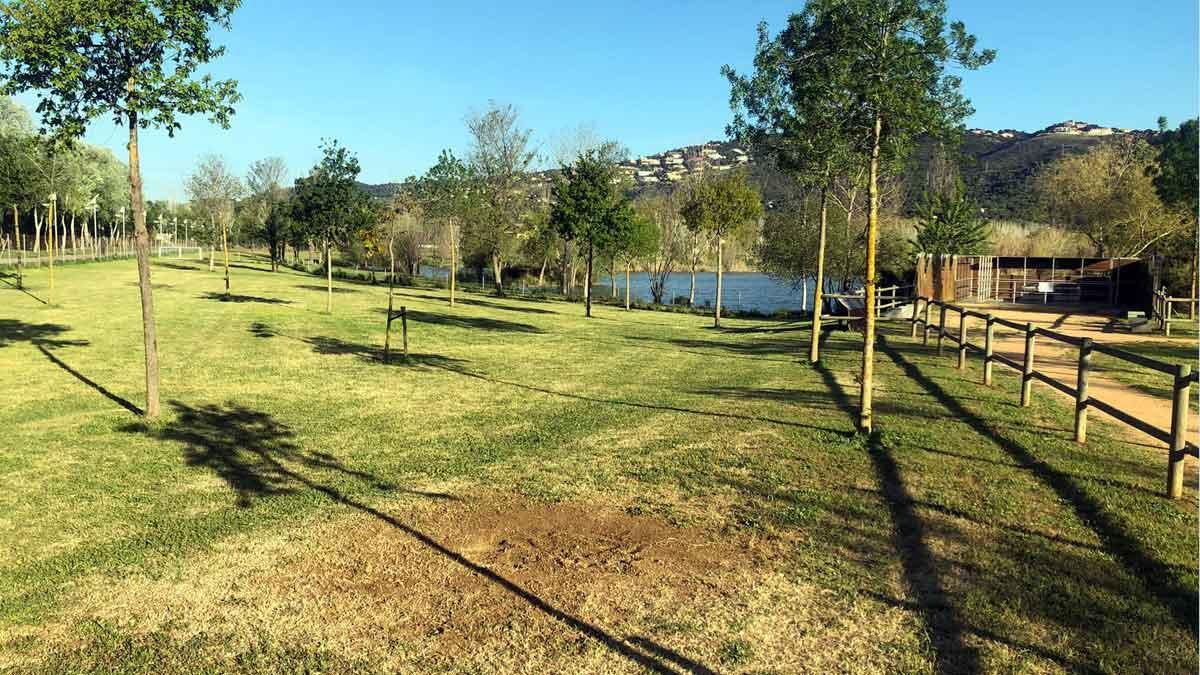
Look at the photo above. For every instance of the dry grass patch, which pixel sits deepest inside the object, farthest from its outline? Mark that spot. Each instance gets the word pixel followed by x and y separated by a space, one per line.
pixel 501 584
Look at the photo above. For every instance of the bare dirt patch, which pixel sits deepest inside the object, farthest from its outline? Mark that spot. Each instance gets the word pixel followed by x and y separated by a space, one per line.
pixel 505 585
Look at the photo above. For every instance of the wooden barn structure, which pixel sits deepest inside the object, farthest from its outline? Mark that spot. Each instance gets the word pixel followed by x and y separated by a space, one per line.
pixel 1113 282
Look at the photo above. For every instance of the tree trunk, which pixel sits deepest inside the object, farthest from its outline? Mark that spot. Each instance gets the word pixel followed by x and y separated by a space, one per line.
pixel 225 249
pixel 587 286
pixel 612 276
pixel 692 288
pixel 814 347
pixel 542 274
pixel 142 244
pixel 328 279
pixel 717 308
pixel 212 248
pixel 453 266
pixel 868 365
pixel 496 270
pixel 1195 272
pixel 628 265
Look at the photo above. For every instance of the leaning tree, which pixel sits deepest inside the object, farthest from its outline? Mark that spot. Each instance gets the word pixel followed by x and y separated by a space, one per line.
pixel 135 62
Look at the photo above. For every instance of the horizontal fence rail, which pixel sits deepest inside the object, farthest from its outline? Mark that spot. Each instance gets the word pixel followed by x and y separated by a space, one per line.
pixel 1183 377
pixel 1162 310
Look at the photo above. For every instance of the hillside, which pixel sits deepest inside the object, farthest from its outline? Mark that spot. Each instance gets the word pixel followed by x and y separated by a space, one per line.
pixel 997 166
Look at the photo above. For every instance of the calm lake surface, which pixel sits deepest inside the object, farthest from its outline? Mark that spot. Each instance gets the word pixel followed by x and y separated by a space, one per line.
pixel 749 291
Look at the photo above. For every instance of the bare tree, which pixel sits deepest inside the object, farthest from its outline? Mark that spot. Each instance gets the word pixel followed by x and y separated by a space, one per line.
pixel 214 190
pixel 672 247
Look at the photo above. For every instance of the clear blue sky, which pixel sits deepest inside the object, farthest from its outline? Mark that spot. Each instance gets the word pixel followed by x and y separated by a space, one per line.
pixel 394 81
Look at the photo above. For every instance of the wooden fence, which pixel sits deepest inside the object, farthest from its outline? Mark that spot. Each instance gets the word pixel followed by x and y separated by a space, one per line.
pixel 1182 375
pixel 886 298
pixel 1163 311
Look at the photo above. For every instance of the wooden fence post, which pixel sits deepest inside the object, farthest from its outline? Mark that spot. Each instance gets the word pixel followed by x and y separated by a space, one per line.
pixel 941 328
pixel 1167 321
pixel 1027 371
pixel 925 338
pixel 916 308
pixel 404 328
pixel 988 334
pixel 1179 412
pixel 962 340
pixel 1081 389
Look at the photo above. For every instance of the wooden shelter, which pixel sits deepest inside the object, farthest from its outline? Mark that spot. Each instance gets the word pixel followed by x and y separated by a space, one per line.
pixel 1111 282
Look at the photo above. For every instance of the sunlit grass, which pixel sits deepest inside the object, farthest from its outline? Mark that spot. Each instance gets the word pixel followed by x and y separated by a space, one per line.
pixel 256 526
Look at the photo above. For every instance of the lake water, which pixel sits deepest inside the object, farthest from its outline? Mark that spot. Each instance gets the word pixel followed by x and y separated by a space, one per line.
pixel 748 291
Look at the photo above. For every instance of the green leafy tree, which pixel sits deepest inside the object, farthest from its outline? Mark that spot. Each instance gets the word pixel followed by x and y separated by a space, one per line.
pixel 801 113
pixel 590 208
pixel 1108 195
pixel 1176 180
pixel 888 59
pixel 135 62
pixel 951 224
pixel 722 206
pixel 637 240
pixel 330 204
pixel 449 194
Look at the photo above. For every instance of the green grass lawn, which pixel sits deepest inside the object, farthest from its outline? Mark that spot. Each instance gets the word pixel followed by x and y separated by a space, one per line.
pixel 531 491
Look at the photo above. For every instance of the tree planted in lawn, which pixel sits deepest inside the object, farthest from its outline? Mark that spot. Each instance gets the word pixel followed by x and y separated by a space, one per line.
pixel 588 207
pixel 133 61
pixel 264 182
pixel 500 157
pixel 448 192
pixel 214 191
pixel 723 206
pixel 638 242
pixel 889 59
pixel 798 112
pixel 330 204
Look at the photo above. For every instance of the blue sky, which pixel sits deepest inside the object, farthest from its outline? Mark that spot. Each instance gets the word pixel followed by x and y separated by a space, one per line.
pixel 394 81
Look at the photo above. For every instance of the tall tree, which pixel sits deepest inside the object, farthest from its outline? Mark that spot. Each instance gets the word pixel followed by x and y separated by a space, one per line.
pixel 723 206
pixel 134 61
pixel 330 204
pixel 589 207
pixel 890 59
pixel 214 191
pixel 265 185
pixel 500 157
pixel 798 112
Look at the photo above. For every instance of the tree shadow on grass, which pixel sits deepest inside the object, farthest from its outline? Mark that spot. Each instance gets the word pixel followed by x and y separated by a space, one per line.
pixel 470 322
pixel 101 389
pixel 258 457
pixel 921 576
pixel 476 302
pixel 13 331
pixel 234 297
pixel 177 266
pixel 1122 544
pixel 323 289
pixel 4 276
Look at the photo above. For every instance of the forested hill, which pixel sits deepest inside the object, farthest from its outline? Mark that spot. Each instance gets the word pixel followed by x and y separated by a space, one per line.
pixel 997 166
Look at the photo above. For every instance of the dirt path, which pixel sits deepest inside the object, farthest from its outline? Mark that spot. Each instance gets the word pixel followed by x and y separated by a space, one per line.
pixel 1060 361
